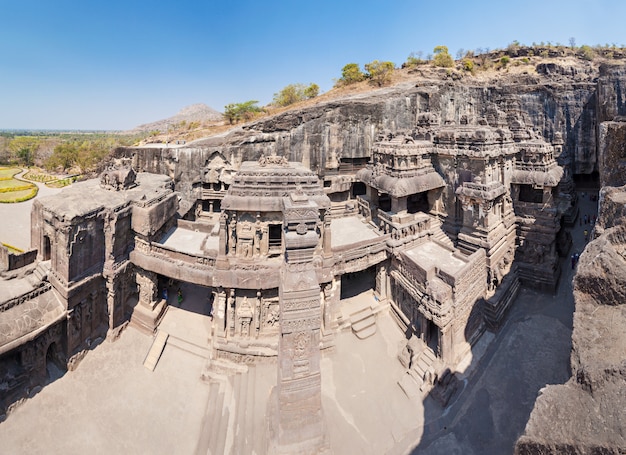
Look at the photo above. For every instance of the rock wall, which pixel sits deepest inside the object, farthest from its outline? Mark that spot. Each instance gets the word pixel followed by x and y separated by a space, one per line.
pixel 586 414
pixel 572 99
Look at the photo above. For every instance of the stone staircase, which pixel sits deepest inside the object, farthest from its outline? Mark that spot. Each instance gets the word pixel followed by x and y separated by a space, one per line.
pixel 420 377
pixel 41 271
pixel 359 314
pixel 363 322
pixel 441 237
pixel 231 424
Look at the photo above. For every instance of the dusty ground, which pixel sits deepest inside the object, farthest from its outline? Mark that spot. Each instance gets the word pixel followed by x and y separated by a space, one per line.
pixel 15 219
pixel 113 404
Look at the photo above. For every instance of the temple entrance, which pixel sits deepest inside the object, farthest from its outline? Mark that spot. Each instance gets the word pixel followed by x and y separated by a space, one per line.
pixel 384 202
pixel 431 336
pixel 46 248
pixel 186 296
pixel 418 202
pixel 353 284
pixel 358 189
pixel 54 369
pixel 275 236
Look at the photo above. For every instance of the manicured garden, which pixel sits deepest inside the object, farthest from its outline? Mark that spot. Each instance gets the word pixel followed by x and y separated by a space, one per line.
pixel 14 190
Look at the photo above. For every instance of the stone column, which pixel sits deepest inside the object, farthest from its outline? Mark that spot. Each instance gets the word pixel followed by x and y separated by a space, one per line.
pixel 297 423
pixel 398 204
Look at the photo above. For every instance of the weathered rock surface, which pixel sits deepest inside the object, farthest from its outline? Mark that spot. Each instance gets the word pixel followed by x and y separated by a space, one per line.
pixel 565 96
pixel 586 415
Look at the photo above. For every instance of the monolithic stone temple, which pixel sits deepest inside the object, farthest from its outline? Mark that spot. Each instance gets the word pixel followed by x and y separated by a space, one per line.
pixel 444 215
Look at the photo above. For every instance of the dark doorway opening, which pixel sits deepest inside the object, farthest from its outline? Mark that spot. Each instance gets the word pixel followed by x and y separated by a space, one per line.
pixel 418 202
pixel 527 193
pixel 384 202
pixel 47 248
pixel 54 368
pixel 355 283
pixel 432 336
pixel 275 235
pixel 358 188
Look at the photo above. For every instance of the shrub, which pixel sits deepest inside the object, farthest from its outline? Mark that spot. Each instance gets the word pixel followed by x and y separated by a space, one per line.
pixel 468 65
pixel 414 59
pixel 379 72
pixel 442 57
pixel 505 60
pixel 351 74
pixel 312 91
pixel 586 52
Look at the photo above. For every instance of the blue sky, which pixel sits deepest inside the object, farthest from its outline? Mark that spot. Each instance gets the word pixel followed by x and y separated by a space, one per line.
pixel 115 64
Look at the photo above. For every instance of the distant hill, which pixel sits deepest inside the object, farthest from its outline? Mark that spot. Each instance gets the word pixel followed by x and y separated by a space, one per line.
pixel 194 113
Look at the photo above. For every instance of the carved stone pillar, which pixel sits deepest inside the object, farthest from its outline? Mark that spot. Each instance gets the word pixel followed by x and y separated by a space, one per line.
pixel 222 246
pixel 231 313
pixel 148 313
pixel 219 312
pixel 148 288
pixel 297 424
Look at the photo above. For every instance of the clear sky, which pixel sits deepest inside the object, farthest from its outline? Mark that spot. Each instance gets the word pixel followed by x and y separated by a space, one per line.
pixel 114 64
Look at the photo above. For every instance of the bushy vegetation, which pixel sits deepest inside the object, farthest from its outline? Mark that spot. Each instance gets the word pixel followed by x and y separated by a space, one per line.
pixel 379 73
pixel 60 150
pixel 294 93
pixel 351 74
pixel 236 112
pixel 86 155
pixel 442 57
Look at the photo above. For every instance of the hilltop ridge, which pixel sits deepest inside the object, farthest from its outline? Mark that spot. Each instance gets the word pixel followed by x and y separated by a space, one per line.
pixel 195 113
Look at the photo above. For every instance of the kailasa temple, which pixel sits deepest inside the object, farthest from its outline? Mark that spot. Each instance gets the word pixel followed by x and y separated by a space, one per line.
pixel 444 206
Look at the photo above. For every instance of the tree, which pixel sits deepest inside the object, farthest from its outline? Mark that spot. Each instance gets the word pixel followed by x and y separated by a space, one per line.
pixel 289 95
pixel 350 74
pixel 312 91
pixel 63 156
pixel 442 57
pixel 586 52
pixel 234 112
pixel 24 149
pixel 379 72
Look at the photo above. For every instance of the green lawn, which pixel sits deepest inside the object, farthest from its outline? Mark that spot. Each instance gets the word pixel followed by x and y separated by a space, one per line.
pixel 18 196
pixel 8 172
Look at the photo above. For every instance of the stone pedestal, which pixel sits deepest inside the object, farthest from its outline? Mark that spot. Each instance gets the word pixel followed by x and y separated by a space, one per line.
pixel 149 311
pixel 147 319
pixel 296 422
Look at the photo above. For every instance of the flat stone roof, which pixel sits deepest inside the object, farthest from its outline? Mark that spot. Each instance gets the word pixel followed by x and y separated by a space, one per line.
pixel 188 241
pixel 349 230
pixel 84 197
pixel 31 315
pixel 431 254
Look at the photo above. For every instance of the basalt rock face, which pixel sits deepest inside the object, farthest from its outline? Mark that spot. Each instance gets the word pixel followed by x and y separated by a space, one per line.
pixel 586 415
pixel 570 98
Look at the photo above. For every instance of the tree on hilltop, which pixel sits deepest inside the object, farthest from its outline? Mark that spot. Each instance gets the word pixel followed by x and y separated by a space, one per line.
pixel 294 93
pixel 442 57
pixel 234 112
pixel 351 74
pixel 379 72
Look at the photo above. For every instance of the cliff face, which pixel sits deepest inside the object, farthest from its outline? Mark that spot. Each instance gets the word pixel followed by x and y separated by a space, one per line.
pixel 586 415
pixel 566 97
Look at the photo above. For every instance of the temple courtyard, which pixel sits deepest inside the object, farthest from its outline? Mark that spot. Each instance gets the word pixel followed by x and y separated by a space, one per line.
pixel 113 404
